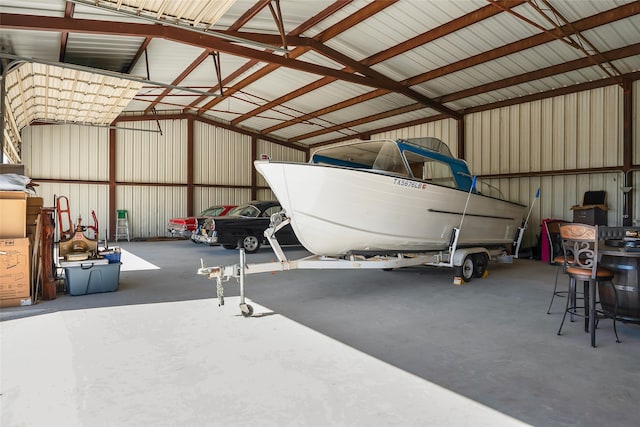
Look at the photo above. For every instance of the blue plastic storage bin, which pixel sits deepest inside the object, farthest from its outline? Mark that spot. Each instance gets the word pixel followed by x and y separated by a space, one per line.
pixel 89 278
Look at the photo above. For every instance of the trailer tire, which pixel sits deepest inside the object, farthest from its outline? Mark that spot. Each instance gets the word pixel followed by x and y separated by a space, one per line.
pixel 468 268
pixel 480 265
pixel 247 310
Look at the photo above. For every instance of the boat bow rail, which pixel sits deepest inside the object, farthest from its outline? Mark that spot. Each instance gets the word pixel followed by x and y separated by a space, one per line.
pixel 468 262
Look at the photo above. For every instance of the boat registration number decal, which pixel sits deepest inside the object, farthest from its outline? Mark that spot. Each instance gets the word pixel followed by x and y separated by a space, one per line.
pixel 410 184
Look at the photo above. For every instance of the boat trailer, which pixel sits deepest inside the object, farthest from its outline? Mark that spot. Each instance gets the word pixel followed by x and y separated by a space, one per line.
pixel 468 262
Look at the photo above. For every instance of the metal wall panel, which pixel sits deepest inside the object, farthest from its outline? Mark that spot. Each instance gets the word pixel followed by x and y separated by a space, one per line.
pixel 446 130
pixel 582 130
pixel 279 153
pixel 66 152
pixel 83 198
pixel 557 195
pixel 266 194
pixel 149 207
pixel 145 155
pixel 221 156
pixel 211 196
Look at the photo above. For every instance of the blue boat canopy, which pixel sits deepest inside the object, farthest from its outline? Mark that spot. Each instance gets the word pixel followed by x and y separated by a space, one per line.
pixel 422 159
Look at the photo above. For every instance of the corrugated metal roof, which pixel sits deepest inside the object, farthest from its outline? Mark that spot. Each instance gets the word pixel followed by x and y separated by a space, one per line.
pixel 355 64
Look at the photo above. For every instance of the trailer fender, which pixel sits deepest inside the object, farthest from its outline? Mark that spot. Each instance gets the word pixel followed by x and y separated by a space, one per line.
pixel 460 254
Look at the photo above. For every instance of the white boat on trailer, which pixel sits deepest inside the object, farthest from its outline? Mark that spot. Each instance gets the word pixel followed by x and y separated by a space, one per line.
pixel 357 238
pixel 403 195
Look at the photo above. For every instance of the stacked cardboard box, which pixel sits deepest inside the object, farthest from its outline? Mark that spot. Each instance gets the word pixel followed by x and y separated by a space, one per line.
pixel 34 205
pixel 15 285
pixel 13 214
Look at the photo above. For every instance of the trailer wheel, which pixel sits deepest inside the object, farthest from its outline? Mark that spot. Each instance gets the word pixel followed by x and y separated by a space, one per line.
pixel 480 266
pixel 468 267
pixel 246 310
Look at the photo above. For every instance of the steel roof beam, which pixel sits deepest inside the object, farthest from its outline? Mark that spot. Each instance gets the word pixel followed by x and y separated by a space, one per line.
pixel 204 40
pixel 337 28
pixel 199 60
pixel 64 36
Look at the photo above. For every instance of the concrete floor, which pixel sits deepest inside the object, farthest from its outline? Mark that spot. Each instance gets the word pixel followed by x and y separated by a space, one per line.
pixel 348 348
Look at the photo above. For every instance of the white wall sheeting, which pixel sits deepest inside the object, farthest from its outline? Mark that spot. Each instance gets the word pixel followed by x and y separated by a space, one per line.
pixel 277 153
pixel 148 207
pixel 576 131
pixel 66 152
pixel 150 157
pixel 83 198
pixel 445 130
pixel 210 196
pixel 221 156
pixel 266 194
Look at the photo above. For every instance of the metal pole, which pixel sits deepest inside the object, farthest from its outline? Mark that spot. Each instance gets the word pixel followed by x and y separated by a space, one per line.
pixel 243 262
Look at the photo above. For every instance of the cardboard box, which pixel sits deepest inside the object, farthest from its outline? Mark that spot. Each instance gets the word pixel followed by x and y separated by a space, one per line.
pixel 15 302
pixel 35 201
pixel 14 269
pixel 13 214
pixel 11 168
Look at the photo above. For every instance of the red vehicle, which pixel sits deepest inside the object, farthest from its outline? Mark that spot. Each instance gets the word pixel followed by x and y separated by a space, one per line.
pixel 185 226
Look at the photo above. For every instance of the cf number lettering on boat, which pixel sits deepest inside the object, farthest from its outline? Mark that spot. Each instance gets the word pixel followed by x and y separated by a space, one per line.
pixel 411 184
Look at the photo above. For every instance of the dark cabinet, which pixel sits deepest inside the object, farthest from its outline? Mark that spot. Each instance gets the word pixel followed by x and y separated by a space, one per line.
pixel 591 216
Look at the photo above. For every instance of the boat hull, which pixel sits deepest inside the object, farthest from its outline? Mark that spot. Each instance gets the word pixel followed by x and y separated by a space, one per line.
pixel 336 210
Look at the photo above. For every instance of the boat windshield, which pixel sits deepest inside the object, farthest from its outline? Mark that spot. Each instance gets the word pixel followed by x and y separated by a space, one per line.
pixel 375 155
pixel 431 144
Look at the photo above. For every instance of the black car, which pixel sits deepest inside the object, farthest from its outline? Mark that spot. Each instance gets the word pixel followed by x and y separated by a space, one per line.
pixel 243 227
